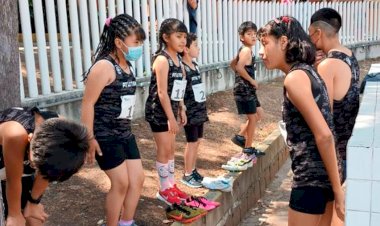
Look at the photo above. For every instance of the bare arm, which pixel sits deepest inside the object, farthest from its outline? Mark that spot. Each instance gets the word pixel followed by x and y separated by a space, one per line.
pixel 327 73
pixel 245 58
pixel 101 74
pixel 15 141
pixel 161 67
pixel 298 88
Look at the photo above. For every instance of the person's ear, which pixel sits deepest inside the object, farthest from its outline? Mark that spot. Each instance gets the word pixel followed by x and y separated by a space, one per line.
pixel 284 42
pixel 166 38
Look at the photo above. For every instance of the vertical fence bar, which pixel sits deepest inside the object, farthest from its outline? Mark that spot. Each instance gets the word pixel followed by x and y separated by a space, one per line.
pixel 225 30
pixel 220 31
pixel 204 33
pixel 53 43
pixel 111 8
pixel 186 14
pixel 41 44
pixel 136 15
pixel 209 32
pixel 243 12
pixel 367 20
pixel 377 23
pixel 153 33
pixel 102 14
pixel 85 34
pixel 144 6
pixel 180 10
pixel 234 30
pixel 230 29
pixel 214 31
pixel 77 55
pixel 159 13
pixel 94 24
pixel 128 7
pixel 65 44
pixel 371 19
pixel 166 9
pixel 120 7
pixel 28 48
pixel 199 31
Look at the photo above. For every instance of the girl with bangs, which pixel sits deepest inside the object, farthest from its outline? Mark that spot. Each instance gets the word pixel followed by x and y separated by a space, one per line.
pixel 107 111
pixel 165 103
pixel 316 187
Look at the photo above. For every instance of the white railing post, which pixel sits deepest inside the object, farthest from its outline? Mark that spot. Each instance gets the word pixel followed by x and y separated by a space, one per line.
pixel 159 13
pixel 111 8
pixel 199 31
pixel 214 31
pixel 153 33
pixel 185 14
pixel 235 36
pixel 77 54
pixel 85 33
pixel 102 14
pixel 28 48
pixel 120 7
pixel 41 44
pixel 53 43
pixel 144 6
pixel 65 45
pixel 225 30
pixel 180 8
pixel 136 15
pixel 204 33
pixel 94 24
pixel 220 31
pixel 230 28
pixel 209 32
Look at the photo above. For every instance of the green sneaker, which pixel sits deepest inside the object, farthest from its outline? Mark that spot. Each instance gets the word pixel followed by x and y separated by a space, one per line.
pixel 184 214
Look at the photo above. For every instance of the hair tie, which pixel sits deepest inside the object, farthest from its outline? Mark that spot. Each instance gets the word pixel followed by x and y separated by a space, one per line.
pixel 108 21
pixel 285 19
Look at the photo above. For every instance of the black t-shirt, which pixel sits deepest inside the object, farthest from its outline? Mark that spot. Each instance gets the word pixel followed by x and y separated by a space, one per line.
pixel 196 105
pixel 114 107
pixel 154 113
pixel 346 110
pixel 244 90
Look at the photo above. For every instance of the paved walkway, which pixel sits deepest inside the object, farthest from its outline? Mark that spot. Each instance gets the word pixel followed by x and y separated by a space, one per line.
pixel 272 209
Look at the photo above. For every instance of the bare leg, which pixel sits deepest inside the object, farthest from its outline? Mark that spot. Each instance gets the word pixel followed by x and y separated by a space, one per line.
pixel 296 218
pixel 250 129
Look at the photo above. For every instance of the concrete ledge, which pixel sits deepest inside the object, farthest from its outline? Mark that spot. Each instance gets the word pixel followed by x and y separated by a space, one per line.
pixel 249 186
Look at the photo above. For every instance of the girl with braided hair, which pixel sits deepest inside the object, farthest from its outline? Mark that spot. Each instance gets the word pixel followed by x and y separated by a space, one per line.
pixel 107 110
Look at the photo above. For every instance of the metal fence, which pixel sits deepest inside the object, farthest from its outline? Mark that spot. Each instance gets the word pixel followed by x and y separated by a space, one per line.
pixel 57 51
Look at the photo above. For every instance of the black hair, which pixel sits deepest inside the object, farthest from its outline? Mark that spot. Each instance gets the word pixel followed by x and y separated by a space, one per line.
pixel 44 113
pixel 246 26
pixel 191 37
pixel 299 48
pixel 120 27
pixel 329 16
pixel 59 148
pixel 168 27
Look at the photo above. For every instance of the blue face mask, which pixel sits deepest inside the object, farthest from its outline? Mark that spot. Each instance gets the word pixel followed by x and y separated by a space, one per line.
pixel 134 53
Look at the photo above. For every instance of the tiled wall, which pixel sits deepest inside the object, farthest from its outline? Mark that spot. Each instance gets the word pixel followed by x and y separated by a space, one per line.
pixel 363 157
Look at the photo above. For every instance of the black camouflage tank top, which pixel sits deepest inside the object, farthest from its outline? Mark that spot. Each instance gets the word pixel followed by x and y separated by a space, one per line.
pixel 307 165
pixel 154 112
pixel 346 110
pixel 243 90
pixel 24 116
pixel 114 107
pixel 196 105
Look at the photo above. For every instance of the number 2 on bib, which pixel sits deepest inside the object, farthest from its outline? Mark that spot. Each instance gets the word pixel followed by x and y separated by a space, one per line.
pixel 199 92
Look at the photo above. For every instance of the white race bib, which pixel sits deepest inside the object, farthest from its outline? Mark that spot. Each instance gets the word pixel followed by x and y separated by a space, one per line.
pixel 127 106
pixel 199 92
pixel 178 91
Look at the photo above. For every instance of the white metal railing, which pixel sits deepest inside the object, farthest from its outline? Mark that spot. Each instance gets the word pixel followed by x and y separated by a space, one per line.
pixel 60 61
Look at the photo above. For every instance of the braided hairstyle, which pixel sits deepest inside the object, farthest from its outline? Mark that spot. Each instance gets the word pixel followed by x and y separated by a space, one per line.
pixel 120 27
pixel 168 27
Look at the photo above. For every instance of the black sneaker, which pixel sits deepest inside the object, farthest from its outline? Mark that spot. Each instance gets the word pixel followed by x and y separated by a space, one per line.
pixel 197 175
pixel 191 180
pixel 239 140
pixel 252 150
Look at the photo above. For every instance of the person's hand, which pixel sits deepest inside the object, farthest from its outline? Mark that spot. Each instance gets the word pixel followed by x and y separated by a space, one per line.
pixel 183 117
pixel 193 3
pixel 35 211
pixel 319 57
pixel 173 126
pixel 94 147
pixel 255 84
pixel 339 204
pixel 15 220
